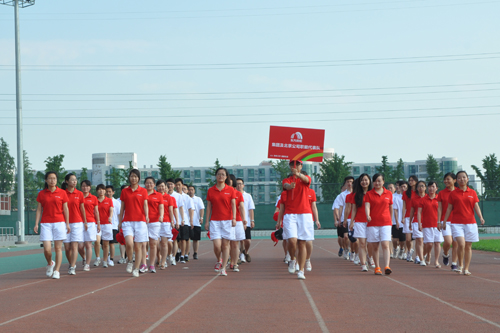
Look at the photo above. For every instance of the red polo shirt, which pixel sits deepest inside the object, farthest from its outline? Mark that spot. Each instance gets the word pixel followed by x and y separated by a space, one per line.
pixel 350 199
pixel 168 201
pixel 463 205
pixel 221 202
pixel 134 204
pixel 415 200
pixel 104 207
pixel 429 211
pixel 239 198
pixel 360 211
pixel 312 196
pixel 75 199
pixel 408 202
pixel 443 197
pixel 155 199
pixel 90 201
pixel 52 204
pixel 297 200
pixel 379 207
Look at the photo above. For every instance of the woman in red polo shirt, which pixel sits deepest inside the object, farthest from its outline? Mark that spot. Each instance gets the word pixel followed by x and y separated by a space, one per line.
pixel 237 232
pixel 417 234
pixel 169 205
pixel 52 214
pixel 92 213
pixel 134 216
pixel 105 207
pixel 412 185
pixel 156 212
pixel 77 219
pixel 449 181
pixel 221 217
pixel 463 202
pixel 379 212
pixel 428 224
pixel 358 223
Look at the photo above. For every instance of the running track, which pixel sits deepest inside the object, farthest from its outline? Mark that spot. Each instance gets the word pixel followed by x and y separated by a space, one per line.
pixel 263 297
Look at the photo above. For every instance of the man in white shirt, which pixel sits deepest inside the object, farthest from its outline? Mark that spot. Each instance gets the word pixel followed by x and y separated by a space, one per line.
pixel 110 192
pixel 199 211
pixel 180 207
pixel 187 222
pixel 343 232
pixel 398 236
pixel 249 209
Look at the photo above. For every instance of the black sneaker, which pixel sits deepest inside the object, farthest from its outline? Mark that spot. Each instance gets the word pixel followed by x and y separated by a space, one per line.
pixel 186 258
pixel 195 256
pixel 177 256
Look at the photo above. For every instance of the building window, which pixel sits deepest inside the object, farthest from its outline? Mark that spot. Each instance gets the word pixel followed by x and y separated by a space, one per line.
pixel 239 173
pixel 251 173
pixel 367 169
pixel 187 174
pixel 230 171
pixel 155 174
pixel 356 170
pixel 144 174
pixel 413 169
pixel 197 176
pixel 262 174
pixel 272 175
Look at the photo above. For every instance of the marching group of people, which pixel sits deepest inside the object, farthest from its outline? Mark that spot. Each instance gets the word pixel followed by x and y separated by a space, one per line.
pixel 156 225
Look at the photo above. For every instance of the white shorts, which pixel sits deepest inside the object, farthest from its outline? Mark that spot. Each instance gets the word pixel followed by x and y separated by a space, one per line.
pixel 90 234
pixel 468 231
pixel 432 235
pixel 154 230
pixel 446 232
pixel 378 234
pixel 415 232
pixel 99 234
pixel 53 231
pixel 220 229
pixel 107 232
pixel 300 226
pixel 238 232
pixel 76 233
pixel 166 231
pixel 139 230
pixel 359 230
pixel 406 226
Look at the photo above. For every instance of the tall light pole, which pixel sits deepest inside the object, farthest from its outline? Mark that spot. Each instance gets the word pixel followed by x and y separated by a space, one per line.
pixel 19 107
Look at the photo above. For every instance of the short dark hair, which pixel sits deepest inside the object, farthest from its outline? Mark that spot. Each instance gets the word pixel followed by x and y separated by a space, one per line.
pixel 47 174
pixel 348 178
pixel 86 182
pixel 100 187
pixel 241 180
pixel 375 176
pixel 122 187
pixel 135 172
pixel 170 180
pixel 149 178
pixel 233 180
pixel 179 180
pixel 192 187
pixel 451 174
pixel 160 181
pixel 111 187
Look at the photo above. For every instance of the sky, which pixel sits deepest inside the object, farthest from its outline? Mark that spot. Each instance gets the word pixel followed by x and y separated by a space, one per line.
pixel 202 80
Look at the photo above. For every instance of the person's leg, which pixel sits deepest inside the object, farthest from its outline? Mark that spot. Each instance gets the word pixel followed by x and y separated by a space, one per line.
pixel 437 250
pixel 285 246
pixel 129 247
pixel 105 250
pixel 47 251
pixel 88 250
pixel 225 247
pixel 217 248
pixel 467 255
pixel 301 245
pixel 123 251
pixel 74 253
pixel 196 245
pixel 292 247
pixel 460 251
pixel 152 251
pixel 97 247
pixel 67 252
pixel 309 249
pixel 143 256
pixel 447 244
pixel 428 250
pixel 138 249
pixel 454 251
pixel 362 250
pixel 386 253
pixel 355 247
pixel 163 251
pixel 81 250
pixel 408 243
pixel 420 246
pixel 58 250
pixel 374 247
pixel 234 252
pixel 247 243
pixel 111 251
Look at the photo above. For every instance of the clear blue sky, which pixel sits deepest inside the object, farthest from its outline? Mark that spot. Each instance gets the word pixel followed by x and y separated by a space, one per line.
pixel 330 58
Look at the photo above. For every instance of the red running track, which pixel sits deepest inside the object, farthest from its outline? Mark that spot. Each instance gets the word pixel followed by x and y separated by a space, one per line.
pixel 263 297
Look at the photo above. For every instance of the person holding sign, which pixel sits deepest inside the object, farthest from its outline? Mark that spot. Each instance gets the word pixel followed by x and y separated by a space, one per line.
pixel 295 210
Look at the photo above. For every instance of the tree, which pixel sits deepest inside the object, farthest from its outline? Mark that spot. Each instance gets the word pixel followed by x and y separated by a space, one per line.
pixel 166 170
pixel 491 176
pixel 398 173
pixel 116 178
pixel 31 186
pixel 211 173
pixel 7 168
pixel 386 170
pixel 282 169
pixel 332 174
pixel 434 172
pixel 83 175
pixel 53 164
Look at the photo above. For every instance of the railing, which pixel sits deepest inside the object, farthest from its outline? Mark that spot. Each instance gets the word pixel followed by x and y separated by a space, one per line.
pixel 6 233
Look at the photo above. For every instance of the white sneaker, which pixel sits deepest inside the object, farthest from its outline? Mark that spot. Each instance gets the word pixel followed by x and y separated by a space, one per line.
pixel 55 275
pixel 372 263
pixel 236 268
pixel 296 266
pixel 135 273
pixel 346 255
pixel 111 263
pixel 50 269
pixel 130 267
pixel 287 258
pixel 242 257
pixel 422 263
pixel 356 259
pixel 401 254
pixel 364 268
pixel 352 256
pixel 223 272
pixel 308 265
pixel 105 264
pixel 72 271
pixel 301 276
pixel 291 267
pixel 86 268
pixel 97 262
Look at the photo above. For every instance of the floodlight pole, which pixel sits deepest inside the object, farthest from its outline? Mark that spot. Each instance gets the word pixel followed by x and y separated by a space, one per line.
pixel 20 157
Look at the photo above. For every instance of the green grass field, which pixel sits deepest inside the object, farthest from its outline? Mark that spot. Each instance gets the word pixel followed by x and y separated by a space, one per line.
pixel 492 245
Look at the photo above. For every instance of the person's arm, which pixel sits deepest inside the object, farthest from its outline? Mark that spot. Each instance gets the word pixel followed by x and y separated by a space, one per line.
pixel 315 214
pixel 243 215
pixel 289 186
pixel 37 217
pixel 302 177
pixel 440 211
pixel 191 216
pixel 404 209
pixel 396 215
pixel 171 214
pixel 353 216
pixel 66 217
pixel 280 215
pixel 367 211
pixel 120 217
pixel 209 212
pixel 252 221
pixel 181 213
pixel 336 217
pixel 419 217
pixel 97 218
pixel 176 214
pixel 84 216
pixel 447 215
pixel 202 212
pixel 391 210
pixel 111 210
pixel 233 207
pixel 146 211
pixel 477 209
pixel 161 210
pixel 412 213
pixel 346 213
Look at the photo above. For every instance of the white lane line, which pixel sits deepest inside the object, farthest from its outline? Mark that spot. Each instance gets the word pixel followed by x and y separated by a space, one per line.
pixel 320 320
pixel 444 302
pixel 27 284
pixel 155 325
pixel 67 301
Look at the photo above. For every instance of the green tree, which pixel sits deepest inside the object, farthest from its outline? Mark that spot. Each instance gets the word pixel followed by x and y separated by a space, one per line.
pixel 332 174
pixel 211 173
pixel 83 175
pixel 398 173
pixel 7 168
pixel 31 186
pixel 386 170
pixel 53 163
pixel 282 169
pixel 166 170
pixel 116 178
pixel 491 176
pixel 434 172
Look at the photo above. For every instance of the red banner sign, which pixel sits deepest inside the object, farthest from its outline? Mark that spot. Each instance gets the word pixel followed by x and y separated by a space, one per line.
pixel 290 143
